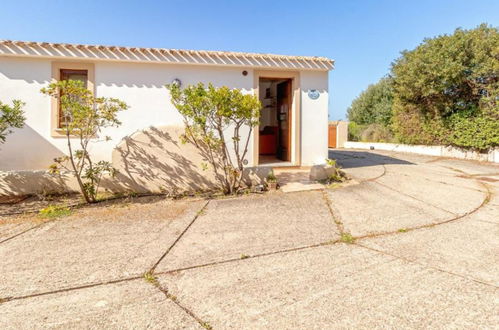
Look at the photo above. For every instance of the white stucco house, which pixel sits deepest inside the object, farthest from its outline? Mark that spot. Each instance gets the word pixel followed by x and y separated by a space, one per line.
pixel 292 89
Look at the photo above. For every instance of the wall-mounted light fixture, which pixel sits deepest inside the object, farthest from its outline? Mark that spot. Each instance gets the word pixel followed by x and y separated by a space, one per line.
pixel 314 94
pixel 177 82
pixel 245 73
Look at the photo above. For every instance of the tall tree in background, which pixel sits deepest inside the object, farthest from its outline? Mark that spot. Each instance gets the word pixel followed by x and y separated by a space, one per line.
pixel 370 114
pixel 374 105
pixel 446 90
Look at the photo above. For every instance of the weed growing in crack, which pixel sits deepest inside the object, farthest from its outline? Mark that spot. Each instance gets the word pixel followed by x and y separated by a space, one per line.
pixel 244 256
pixel 54 211
pixel 206 325
pixel 338 222
pixel 347 238
pixel 172 297
pixel 331 242
pixel 402 230
pixel 150 278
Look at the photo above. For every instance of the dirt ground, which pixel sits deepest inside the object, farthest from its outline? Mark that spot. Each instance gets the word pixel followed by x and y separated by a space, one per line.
pixel 413 242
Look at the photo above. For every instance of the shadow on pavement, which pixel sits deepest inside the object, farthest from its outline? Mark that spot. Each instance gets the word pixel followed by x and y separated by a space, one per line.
pixel 352 159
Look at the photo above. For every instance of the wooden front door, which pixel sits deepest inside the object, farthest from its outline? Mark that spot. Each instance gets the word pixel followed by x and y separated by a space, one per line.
pixel 332 137
pixel 284 120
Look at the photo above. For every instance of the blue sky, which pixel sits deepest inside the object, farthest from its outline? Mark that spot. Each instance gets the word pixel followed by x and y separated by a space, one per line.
pixel 364 37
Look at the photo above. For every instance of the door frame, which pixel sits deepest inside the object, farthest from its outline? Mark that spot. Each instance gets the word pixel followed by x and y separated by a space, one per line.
pixel 295 112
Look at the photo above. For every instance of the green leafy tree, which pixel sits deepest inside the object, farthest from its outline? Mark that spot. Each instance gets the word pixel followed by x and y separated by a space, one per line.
pixel 214 119
pixel 83 116
pixel 374 105
pixel 449 83
pixel 10 117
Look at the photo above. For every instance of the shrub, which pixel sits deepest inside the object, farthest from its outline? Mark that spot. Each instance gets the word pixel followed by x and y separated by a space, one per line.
pixel 213 118
pixel 355 131
pixel 477 132
pixel 374 105
pixel 376 133
pixel 446 90
pixel 338 175
pixel 84 118
pixel 369 133
pixel 271 178
pixel 10 117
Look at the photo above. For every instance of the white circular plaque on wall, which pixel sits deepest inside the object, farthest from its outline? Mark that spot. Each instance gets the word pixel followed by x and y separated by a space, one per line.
pixel 314 94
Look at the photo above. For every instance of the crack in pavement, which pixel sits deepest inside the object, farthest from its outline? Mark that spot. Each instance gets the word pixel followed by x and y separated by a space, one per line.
pixel 200 212
pixel 336 220
pixel 247 257
pixel 25 231
pixel 156 284
pixel 175 300
pixel 85 286
pixel 376 178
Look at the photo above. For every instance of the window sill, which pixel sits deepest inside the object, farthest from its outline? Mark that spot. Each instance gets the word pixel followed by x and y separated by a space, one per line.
pixel 61 133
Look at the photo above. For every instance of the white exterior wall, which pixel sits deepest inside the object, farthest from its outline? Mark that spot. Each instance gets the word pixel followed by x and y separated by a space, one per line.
pixel 141 86
pixel 314 114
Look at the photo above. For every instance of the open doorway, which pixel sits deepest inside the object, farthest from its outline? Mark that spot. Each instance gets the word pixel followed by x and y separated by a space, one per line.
pixel 275 120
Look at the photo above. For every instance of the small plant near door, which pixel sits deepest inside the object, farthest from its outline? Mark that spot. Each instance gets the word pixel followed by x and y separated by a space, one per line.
pixel 336 173
pixel 84 116
pixel 271 180
pixel 215 120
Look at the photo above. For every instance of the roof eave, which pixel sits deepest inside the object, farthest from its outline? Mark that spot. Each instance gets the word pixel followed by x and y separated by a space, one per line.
pixel 160 55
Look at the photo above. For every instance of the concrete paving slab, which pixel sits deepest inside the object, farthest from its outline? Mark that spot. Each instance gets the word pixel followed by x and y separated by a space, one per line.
pixel 294 180
pixel 340 286
pixel 441 194
pixel 364 173
pixel 428 174
pixel 305 185
pixel 469 247
pixel 370 208
pixel 93 245
pixel 470 167
pixel 255 224
pixel 127 305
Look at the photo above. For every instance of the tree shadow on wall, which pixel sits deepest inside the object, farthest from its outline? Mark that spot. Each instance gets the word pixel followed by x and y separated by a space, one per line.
pixel 26 182
pixel 154 160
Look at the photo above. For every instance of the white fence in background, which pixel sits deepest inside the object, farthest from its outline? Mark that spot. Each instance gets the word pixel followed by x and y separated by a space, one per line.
pixel 439 151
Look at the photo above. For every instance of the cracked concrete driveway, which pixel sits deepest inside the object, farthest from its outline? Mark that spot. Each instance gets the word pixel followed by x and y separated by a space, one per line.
pixel 425 254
